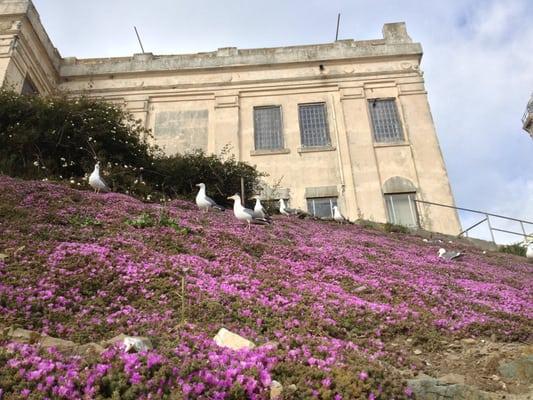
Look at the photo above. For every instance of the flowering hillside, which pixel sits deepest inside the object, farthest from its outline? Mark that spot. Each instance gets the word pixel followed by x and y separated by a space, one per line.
pixel 336 312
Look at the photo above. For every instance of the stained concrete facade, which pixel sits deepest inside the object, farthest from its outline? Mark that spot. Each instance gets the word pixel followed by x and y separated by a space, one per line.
pixel 207 101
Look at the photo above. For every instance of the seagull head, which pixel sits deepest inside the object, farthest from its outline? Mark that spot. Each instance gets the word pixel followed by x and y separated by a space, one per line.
pixel 97 166
pixel 441 252
pixel 335 208
pixel 235 197
pixel 200 185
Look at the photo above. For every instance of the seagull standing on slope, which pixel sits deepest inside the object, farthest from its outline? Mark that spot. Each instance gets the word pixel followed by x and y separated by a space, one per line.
pixel 205 202
pixel 284 210
pixel 449 255
pixel 259 211
pixel 96 181
pixel 337 216
pixel 245 214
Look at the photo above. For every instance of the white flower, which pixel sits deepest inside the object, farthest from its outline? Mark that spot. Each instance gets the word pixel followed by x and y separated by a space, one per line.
pixel 62 159
pixel 36 163
pixel 73 181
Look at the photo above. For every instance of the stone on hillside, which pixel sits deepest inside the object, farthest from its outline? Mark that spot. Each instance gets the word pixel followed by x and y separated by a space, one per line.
pixel 60 344
pixel 23 335
pixel 427 388
pixel 520 369
pixel 360 289
pixel 417 351
pixel 468 341
pixel 276 389
pixel 88 349
pixel 453 379
pixel 225 338
pixel 139 343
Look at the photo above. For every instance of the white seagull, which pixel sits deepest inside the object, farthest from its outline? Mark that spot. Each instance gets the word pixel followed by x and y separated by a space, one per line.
pixel 205 202
pixel 96 181
pixel 337 216
pixel 134 343
pixel 245 214
pixel 259 211
pixel 449 255
pixel 283 209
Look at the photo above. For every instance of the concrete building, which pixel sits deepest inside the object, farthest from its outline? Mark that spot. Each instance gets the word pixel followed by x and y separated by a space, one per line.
pixel 344 123
pixel 527 118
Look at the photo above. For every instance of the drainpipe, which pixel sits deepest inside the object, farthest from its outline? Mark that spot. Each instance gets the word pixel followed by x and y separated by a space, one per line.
pixel 339 160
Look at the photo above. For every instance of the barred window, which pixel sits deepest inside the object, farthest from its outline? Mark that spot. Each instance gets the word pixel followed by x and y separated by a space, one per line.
pixel 401 209
pixel 385 121
pixel 321 206
pixel 313 125
pixel 267 128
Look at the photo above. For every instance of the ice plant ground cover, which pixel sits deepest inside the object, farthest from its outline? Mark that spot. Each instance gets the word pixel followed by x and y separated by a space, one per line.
pixel 328 306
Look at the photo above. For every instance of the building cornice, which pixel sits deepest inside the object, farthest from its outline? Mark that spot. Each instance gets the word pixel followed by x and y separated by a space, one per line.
pixel 395 43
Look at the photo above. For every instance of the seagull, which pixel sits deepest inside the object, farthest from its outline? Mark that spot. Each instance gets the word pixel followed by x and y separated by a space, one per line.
pixel 134 343
pixel 245 214
pixel 529 247
pixel 96 181
pixel 283 209
pixel 337 216
pixel 449 255
pixel 205 202
pixel 259 211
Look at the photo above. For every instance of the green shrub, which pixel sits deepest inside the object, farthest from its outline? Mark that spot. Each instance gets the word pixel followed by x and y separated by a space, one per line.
pixel 515 248
pixel 178 175
pixel 60 138
pixel 388 227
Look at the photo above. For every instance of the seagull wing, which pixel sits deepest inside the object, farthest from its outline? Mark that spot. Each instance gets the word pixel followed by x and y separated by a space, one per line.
pixel 213 204
pixel 256 220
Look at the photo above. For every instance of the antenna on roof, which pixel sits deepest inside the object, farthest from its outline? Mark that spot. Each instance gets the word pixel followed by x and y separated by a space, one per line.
pixel 338 21
pixel 139 38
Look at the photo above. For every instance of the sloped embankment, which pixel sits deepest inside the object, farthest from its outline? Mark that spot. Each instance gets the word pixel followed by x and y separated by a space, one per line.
pixel 336 312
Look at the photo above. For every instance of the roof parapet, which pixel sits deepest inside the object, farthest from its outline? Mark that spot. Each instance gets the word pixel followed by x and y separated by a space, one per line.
pixel 396 32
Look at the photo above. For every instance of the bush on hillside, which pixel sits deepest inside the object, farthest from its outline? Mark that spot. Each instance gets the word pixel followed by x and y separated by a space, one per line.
pixel 59 138
pixel 515 248
pixel 178 175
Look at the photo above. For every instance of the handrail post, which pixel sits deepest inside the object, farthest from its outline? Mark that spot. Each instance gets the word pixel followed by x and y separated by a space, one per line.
pixel 490 229
pixel 523 231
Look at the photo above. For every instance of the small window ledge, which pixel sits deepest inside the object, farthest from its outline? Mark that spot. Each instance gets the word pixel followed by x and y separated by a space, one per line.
pixel 266 152
pixel 316 148
pixel 392 144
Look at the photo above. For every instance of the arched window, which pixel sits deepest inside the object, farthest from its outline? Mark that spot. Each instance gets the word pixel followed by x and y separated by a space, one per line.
pixel 400 194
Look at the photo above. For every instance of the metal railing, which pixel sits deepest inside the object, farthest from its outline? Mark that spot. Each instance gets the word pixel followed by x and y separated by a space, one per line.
pixel 492 229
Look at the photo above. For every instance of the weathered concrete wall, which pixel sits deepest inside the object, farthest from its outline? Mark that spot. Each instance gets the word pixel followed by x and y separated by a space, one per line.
pixel 206 100
pixel 26 46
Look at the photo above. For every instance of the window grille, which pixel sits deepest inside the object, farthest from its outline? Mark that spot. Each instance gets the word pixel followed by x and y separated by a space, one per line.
pixel 267 128
pixel 313 125
pixel 402 209
pixel 321 206
pixel 385 121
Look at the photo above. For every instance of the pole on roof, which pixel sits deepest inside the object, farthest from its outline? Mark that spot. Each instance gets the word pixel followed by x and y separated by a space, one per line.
pixel 242 190
pixel 338 21
pixel 139 38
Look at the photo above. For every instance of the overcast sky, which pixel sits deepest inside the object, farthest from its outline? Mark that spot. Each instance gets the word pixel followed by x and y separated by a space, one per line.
pixel 478 66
